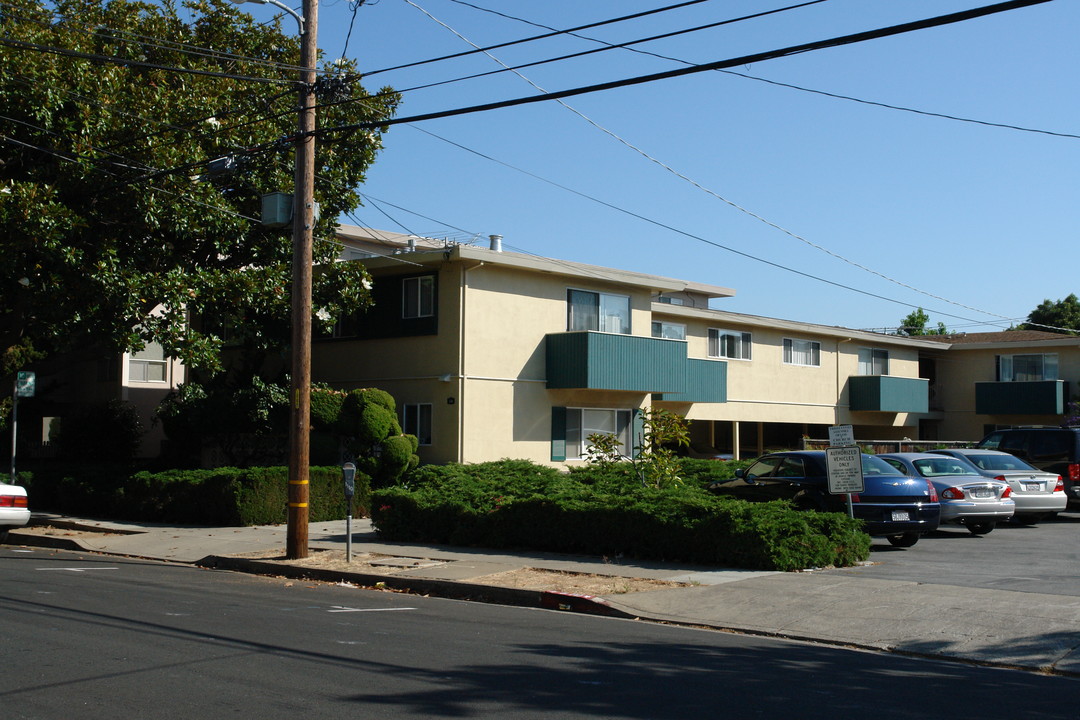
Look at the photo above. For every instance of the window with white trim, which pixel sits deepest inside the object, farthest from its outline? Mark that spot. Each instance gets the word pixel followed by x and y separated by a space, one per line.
pixel 418 297
pixel 873 361
pixel 586 310
pixel 729 344
pixel 668 330
pixel 802 352
pixel 1026 368
pixel 583 422
pixel 416 420
pixel 148 364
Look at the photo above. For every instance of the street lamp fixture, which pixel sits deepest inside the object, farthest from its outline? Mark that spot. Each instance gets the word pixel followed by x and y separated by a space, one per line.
pixel 280 5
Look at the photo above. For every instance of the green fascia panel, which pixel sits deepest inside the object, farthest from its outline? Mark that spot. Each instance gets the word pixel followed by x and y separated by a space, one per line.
pixel 706 383
pixel 1037 397
pixel 605 361
pixel 881 393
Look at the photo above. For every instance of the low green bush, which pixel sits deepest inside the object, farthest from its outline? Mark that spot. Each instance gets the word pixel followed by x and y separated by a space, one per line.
pixel 515 504
pixel 218 497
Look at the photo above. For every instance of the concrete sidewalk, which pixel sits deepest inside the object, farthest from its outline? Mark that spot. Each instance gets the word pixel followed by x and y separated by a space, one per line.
pixel 1010 629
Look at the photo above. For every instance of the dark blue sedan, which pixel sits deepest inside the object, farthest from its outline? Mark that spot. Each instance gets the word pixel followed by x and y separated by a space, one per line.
pixel 894 505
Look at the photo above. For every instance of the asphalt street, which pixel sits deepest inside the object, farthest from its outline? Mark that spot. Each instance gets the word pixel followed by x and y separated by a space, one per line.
pixel 92 636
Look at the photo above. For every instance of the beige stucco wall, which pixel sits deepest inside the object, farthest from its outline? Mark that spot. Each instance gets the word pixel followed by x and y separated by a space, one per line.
pixel 961 368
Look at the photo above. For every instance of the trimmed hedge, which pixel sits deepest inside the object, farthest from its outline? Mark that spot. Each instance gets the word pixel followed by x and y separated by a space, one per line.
pixel 515 504
pixel 218 497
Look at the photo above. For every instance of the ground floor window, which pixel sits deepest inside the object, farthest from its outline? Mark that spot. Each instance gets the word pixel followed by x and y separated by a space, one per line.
pixel 583 422
pixel 416 420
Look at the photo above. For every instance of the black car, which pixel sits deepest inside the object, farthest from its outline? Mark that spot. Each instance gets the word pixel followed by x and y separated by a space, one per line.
pixel 896 506
pixel 1054 449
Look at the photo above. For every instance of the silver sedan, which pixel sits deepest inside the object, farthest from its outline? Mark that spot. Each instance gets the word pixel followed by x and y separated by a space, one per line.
pixel 967 497
pixel 1037 493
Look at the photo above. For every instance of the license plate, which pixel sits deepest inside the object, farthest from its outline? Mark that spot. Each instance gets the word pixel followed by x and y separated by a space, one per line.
pixel 982 493
pixel 901 516
pixel 1033 487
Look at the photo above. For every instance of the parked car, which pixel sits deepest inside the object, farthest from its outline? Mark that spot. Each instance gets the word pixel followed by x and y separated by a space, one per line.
pixel 967 497
pixel 1036 493
pixel 896 506
pixel 14 508
pixel 1053 449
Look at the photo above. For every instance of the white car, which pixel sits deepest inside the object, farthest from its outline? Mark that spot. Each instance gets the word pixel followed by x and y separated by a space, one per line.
pixel 1037 493
pixel 14 508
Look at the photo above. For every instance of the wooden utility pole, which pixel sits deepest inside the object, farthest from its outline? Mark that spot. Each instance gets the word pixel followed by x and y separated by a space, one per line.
pixel 303 228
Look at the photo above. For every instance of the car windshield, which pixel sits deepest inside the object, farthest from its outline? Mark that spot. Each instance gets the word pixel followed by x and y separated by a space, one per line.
pixel 876 466
pixel 999 462
pixel 936 467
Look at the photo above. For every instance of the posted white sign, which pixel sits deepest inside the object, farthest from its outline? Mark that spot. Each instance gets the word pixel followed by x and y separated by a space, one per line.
pixel 841 435
pixel 844 466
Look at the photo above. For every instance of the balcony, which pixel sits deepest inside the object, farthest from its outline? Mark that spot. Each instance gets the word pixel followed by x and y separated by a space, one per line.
pixel 1036 397
pixel 605 361
pixel 882 393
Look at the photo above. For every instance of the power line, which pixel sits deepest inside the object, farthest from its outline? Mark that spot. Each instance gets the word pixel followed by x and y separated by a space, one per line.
pixel 720 64
pixel 607 46
pixel 554 33
pixel 114 60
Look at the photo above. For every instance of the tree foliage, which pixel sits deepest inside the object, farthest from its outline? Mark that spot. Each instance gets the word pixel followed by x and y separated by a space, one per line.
pixel 653 459
pixel 108 207
pixel 914 324
pixel 1061 316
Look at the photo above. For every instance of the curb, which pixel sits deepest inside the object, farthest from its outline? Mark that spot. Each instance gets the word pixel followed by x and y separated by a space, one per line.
pixel 450 589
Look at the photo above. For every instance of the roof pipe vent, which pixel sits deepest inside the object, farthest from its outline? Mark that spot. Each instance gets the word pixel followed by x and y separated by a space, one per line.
pixel 496 242
pixel 412 244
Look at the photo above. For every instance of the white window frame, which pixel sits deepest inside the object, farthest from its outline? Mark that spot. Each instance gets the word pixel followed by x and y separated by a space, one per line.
pixel 418 297
pixel 794 348
pixel 743 343
pixel 1008 372
pixel 141 362
pixel 597 320
pixel 416 419
pixel 873 361
pixel 668 330
pixel 583 422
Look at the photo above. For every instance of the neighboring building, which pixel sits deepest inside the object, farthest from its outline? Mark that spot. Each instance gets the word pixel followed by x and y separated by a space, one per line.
pixel 494 354
pixel 984 381
pixel 73 380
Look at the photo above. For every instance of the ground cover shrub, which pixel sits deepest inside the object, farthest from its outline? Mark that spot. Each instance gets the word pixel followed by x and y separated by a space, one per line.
pixel 218 497
pixel 516 504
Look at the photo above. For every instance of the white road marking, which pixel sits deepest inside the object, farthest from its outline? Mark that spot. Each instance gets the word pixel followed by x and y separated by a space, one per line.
pixel 342 608
pixel 77 569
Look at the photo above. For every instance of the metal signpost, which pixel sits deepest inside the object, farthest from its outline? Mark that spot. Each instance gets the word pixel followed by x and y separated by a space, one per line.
pixel 25 383
pixel 843 460
pixel 348 475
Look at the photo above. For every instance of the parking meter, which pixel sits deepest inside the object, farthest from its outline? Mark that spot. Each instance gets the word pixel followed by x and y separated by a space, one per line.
pixel 348 475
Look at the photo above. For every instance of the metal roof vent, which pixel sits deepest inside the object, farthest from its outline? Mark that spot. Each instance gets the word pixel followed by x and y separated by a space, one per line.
pixel 496 242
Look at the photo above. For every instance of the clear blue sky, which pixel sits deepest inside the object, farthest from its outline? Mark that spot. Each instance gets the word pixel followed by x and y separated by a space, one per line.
pixel 972 222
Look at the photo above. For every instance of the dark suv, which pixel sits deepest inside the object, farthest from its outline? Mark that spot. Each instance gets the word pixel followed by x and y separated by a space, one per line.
pixel 1055 449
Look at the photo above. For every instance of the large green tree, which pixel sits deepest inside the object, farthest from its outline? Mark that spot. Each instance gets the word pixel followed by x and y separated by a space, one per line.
pixel 110 113
pixel 1061 316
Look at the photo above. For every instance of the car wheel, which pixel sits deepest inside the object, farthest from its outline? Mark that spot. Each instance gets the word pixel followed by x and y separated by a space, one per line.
pixel 905 540
pixel 980 528
pixel 3 536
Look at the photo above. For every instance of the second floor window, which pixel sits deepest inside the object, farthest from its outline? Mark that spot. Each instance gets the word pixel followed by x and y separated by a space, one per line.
pixel 597 311
pixel 671 331
pixel 1020 368
pixel 802 352
pixel 418 297
pixel 873 361
pixel 148 364
pixel 728 344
